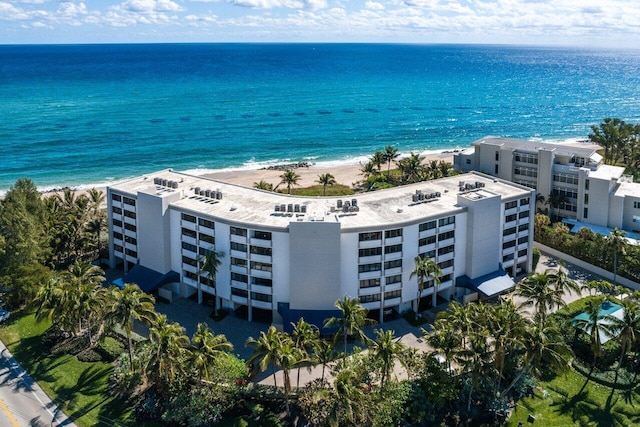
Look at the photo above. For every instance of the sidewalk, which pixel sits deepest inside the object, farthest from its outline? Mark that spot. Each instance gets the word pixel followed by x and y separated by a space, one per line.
pixel 20 391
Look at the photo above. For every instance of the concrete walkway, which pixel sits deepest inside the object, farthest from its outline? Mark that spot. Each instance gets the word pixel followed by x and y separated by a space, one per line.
pixel 22 401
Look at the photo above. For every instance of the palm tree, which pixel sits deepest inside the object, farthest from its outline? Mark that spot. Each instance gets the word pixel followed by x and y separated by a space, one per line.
pixel 289 177
pixel 427 271
pixel 556 201
pixel 353 318
pixel 95 227
pixel 445 168
pixel 617 243
pixel 304 337
pixel 367 169
pixel 434 170
pixel 627 329
pixel 84 273
pixel 538 293
pixel 561 281
pixel 389 155
pixel 324 352
pixel 326 179
pixel 170 345
pixel 209 264
pixel 445 339
pixel 131 303
pixel 206 347
pixel 386 348
pixel 593 325
pixel 96 199
pixel 411 168
pixel 266 349
pixel 378 159
pixel 263 185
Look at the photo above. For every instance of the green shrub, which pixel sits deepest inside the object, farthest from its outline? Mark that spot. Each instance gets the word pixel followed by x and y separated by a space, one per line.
pixel 110 349
pixel 89 355
pixel 69 346
pixel 536 258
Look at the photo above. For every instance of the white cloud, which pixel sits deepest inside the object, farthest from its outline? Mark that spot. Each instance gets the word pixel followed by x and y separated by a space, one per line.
pixel 287 4
pixel 373 5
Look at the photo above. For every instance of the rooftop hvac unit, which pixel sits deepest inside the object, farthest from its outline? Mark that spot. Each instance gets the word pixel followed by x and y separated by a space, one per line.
pixel 174 185
pixel 196 190
pixel 421 196
pixel 438 194
pixel 283 208
pixel 202 192
pixel 218 195
pixel 461 188
pixel 157 180
pixel 303 208
pixel 207 193
pixel 347 204
pixel 356 208
pixel 164 182
pixel 354 202
pixel 433 195
pixel 332 209
pixel 468 186
pixel 339 204
pixel 418 191
pixel 460 183
pixel 277 208
pixel 296 208
pixel 415 197
pixel 345 208
pixel 290 207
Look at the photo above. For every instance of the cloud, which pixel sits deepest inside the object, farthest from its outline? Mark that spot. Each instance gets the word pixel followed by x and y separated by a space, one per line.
pixel 287 4
pixel 373 5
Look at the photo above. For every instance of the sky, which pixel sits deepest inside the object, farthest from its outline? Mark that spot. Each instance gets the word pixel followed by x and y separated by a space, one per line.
pixel 597 23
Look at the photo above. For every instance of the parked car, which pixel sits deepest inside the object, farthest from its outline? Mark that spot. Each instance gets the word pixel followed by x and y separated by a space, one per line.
pixel 4 315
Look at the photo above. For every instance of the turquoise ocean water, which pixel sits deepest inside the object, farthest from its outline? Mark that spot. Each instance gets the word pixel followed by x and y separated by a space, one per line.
pixel 90 114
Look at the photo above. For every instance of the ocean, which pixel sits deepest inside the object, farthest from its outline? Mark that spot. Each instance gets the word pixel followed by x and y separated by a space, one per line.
pixel 82 115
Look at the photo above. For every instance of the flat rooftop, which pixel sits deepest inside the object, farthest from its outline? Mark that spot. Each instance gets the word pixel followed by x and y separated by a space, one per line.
pixel 607 172
pixel 377 208
pixel 583 149
pixel 630 189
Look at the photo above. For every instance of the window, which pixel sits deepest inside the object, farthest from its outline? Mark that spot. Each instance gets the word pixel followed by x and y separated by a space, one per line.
pixel 204 251
pixel 522 253
pixel 585 213
pixel 507 245
pixel 117 235
pixel 189 275
pixel 130 227
pixel 259 250
pixel 447 221
pixel 445 250
pixel 207 238
pixel 524 201
pixel 117 248
pixel 131 240
pixel 390 234
pixel 243 278
pixel 522 240
pixel 525 183
pixel 636 219
pixel 510 218
pixel 207 281
pixel 446 278
pixel 117 223
pixel 636 205
pixel 260 297
pixel 188 218
pixel 131 253
pixel 238 247
pixel 392 249
pixel 129 201
pixel 468 161
pixel 242 232
pixel 189 261
pixel 430 254
pixel 369 283
pixel 508 257
pixel 262 235
pixel 523 214
pixel 427 241
pixel 261 282
pixel 239 262
pixel 445 264
pixel 586 200
pixel 427 226
pixel 527 158
pixel 524 171
pixel 189 233
pixel 496 170
pixel 260 266
pixel 116 210
pixel 393 294
pixel 374 235
pixel 239 292
pixel 446 235
pixel 370 252
pixel 206 223
pixel 390 280
pixel 523 227
pixel 567 192
pixel 369 298
pixel 497 156
pixel 564 178
pixel 396 263
pixel 509 231
pixel 586 184
pixel 116 197
pixel 130 214
pixel 365 268
pixel 511 205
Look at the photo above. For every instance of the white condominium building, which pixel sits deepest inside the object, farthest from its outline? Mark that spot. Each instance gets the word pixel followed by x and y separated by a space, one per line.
pixel 587 190
pixel 283 257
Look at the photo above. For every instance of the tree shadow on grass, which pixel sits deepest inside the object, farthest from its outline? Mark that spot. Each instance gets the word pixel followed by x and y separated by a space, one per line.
pixel 91 382
pixel 582 408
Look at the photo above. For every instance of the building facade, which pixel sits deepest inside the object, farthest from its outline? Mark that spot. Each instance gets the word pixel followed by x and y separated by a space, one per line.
pixel 282 253
pixel 570 175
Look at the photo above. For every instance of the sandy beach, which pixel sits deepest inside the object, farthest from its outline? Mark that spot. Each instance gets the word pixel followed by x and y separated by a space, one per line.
pixel 346 174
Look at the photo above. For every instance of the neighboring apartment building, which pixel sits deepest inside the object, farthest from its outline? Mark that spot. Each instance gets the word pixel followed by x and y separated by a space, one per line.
pixel 286 256
pixel 593 192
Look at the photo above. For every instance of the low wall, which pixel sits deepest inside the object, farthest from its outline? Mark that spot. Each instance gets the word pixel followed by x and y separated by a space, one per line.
pixel 586 266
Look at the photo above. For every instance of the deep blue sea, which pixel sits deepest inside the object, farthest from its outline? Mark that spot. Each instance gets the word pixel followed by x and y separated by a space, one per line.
pixel 89 114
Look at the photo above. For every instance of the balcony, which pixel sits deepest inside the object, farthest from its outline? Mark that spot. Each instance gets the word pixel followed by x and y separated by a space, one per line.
pixel 509 237
pixel 129 220
pixel 239 285
pixel 117 229
pixel 369 291
pixel 131 259
pixel 523 246
pixel 118 253
pixel 208 289
pixel 238 254
pixel 116 204
pixel 190 240
pixel 238 239
pixel 510 211
pixel 239 269
pixel 446 242
pixel 131 246
pixel 130 233
pixel 524 220
pixel 427 233
pixel 365 244
pixel 369 275
pixel 261 304
pixel 369 259
pixel 393 271
pixel 509 224
pixel 190 282
pixel 189 268
pixel 261 258
pixel 392 302
pixel 448 270
pixel 446 257
pixel 260 242
pixel 446 228
pixel 393 256
pixel 371 305
pixel 393 286
pixel 507 264
pixel 261 273
pixel 427 291
pixel 188 225
pixel 445 285
pixel 393 240
pixel 239 300
pixel 508 251
pixel 267 290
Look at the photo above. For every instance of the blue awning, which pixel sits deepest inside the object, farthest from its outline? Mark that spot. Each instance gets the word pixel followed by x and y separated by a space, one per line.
pixel 147 279
pixel 312 317
pixel 489 285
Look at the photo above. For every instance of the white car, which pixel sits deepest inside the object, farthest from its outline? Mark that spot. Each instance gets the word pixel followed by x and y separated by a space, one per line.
pixel 4 315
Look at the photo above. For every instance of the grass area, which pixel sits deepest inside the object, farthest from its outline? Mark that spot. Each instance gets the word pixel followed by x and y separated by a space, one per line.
pixel 561 405
pixel 318 190
pixel 79 388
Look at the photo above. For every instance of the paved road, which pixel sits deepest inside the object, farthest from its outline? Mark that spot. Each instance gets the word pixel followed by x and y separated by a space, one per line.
pixel 22 401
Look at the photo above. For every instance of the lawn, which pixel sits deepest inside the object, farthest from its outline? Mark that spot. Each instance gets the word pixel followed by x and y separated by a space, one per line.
pixel 557 403
pixel 318 190
pixel 79 388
